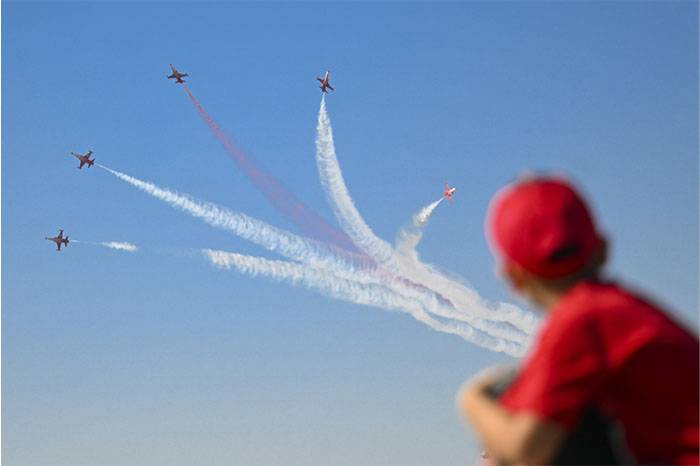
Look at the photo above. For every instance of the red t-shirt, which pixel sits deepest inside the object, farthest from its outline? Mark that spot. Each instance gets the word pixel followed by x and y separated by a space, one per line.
pixel 605 347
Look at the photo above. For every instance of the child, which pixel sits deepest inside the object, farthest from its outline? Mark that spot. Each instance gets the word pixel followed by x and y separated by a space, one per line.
pixel 601 346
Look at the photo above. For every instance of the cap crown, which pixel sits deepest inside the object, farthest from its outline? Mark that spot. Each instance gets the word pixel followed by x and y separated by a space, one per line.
pixel 543 225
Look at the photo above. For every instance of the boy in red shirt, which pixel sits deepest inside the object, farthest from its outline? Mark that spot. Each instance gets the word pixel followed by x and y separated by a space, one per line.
pixel 601 347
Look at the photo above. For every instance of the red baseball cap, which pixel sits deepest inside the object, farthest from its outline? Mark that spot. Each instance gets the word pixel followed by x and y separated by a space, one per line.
pixel 543 225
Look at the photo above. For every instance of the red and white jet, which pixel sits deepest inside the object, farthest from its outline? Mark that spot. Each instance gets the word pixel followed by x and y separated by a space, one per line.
pixel 177 76
pixel 84 159
pixel 449 192
pixel 59 240
pixel 325 82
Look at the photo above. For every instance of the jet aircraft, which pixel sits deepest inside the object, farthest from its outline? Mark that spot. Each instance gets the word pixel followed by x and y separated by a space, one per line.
pixel 59 240
pixel 177 76
pixel 325 82
pixel 449 192
pixel 84 159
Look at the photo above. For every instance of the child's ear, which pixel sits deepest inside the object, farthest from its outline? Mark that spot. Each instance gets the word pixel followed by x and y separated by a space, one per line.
pixel 515 275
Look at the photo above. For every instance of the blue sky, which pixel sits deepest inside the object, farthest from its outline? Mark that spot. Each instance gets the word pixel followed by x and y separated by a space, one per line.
pixel 158 358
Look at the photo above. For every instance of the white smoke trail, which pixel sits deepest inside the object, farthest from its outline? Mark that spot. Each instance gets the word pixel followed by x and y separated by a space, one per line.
pixel 422 217
pixel 119 245
pixel 271 238
pixel 356 291
pixel 405 262
pixel 339 197
pixel 408 238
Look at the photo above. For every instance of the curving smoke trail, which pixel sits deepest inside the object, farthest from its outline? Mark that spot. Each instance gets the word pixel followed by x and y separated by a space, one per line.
pixel 280 197
pixel 338 196
pixel 404 261
pixel 356 290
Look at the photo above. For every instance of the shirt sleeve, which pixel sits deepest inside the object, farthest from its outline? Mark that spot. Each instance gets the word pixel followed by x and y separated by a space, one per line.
pixel 563 375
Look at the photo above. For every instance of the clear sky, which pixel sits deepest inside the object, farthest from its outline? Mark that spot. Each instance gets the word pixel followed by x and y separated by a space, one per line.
pixel 156 357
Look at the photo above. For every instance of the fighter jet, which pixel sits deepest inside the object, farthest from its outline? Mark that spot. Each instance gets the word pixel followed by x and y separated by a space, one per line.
pixel 84 159
pixel 449 192
pixel 325 82
pixel 59 240
pixel 177 76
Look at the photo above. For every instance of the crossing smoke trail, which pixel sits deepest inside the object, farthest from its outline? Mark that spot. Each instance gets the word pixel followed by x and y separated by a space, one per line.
pixel 280 197
pixel 340 263
pixel 119 245
pixel 307 251
pixel 288 204
pixel 407 256
pixel 404 262
pixel 356 291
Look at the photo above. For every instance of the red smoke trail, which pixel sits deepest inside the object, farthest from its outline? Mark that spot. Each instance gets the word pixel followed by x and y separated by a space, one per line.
pixel 283 200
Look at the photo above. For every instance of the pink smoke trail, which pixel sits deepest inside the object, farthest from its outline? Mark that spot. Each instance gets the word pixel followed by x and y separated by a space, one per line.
pixel 280 197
